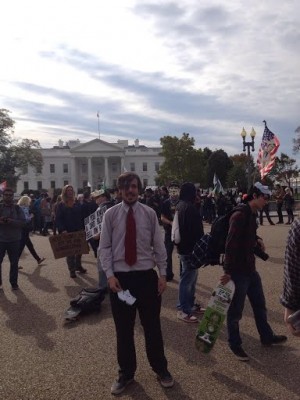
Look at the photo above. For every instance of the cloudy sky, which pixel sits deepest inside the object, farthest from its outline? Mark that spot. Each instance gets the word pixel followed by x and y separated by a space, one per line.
pixel 151 68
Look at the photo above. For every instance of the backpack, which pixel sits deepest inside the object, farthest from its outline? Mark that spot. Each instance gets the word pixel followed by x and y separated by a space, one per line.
pixel 210 249
pixel 88 300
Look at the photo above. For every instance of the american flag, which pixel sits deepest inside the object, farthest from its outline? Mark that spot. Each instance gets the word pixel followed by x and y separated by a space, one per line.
pixel 267 152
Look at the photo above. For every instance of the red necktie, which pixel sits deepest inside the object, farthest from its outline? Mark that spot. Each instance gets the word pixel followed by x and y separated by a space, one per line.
pixel 130 238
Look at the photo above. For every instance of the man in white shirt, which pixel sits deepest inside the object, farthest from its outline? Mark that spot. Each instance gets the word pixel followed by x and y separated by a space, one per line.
pixel 139 277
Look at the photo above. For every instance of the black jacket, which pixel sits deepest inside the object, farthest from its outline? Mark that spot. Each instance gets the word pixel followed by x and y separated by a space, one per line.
pixel 190 226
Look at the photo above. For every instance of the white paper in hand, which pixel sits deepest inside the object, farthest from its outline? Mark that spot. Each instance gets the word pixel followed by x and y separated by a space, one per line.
pixel 125 295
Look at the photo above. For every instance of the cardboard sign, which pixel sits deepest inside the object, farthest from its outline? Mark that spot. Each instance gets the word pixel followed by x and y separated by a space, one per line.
pixel 69 244
pixel 93 222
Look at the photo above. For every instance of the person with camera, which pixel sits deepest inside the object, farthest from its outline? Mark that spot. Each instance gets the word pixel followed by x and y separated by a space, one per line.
pixel 12 221
pixel 290 297
pixel 241 246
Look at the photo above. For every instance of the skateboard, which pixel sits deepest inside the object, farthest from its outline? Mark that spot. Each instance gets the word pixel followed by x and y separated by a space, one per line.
pixel 214 316
pixel 72 314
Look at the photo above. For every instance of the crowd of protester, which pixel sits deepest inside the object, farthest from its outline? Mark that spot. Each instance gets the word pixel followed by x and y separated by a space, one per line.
pixel 67 213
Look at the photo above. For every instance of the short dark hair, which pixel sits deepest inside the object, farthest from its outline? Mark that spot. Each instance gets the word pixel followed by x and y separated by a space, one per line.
pixel 8 189
pixel 253 190
pixel 125 179
pixel 187 192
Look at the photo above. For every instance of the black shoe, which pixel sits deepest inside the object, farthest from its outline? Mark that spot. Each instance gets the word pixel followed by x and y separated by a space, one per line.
pixel 73 275
pixel 81 270
pixel 240 353
pixel 166 380
pixel 272 223
pixel 169 278
pixel 120 384
pixel 276 339
pixel 15 287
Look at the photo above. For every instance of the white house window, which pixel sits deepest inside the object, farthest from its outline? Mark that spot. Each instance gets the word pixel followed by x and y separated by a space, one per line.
pixel 65 168
pixel 156 166
pixel 66 183
pixel 52 184
pixel 145 182
pixel 39 185
pixel 145 167
pixel 114 167
pixel 26 186
pixel 84 168
pixel 132 166
pixel 52 168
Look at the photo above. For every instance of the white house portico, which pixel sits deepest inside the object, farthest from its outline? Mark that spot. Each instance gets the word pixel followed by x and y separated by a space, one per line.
pixel 94 163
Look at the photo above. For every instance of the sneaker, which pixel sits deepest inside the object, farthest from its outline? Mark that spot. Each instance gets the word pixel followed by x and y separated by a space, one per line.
pixel 166 380
pixel 197 309
pixel 73 275
pixel 240 353
pixel 81 270
pixel 15 287
pixel 186 317
pixel 120 384
pixel 276 339
pixel 41 260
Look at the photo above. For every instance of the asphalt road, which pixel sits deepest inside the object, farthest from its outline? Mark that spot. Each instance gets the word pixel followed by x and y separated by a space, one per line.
pixel 42 358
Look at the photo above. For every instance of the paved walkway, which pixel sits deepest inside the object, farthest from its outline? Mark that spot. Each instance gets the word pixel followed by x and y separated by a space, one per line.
pixel 43 359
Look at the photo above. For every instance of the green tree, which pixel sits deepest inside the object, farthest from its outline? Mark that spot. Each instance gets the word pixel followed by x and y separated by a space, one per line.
pixel 14 154
pixel 296 141
pixel 182 162
pixel 218 163
pixel 237 175
pixel 284 169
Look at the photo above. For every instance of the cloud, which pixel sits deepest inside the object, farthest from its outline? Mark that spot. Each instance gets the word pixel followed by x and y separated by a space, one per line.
pixel 153 68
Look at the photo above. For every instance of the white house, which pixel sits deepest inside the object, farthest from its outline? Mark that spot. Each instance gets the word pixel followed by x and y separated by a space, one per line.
pixel 93 164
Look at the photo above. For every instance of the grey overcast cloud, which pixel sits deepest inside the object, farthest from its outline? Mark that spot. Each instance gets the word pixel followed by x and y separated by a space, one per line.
pixel 151 68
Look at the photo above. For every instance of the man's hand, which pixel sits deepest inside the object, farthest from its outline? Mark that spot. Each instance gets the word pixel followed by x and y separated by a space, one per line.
pixel 225 279
pixel 261 244
pixel 114 284
pixel 162 284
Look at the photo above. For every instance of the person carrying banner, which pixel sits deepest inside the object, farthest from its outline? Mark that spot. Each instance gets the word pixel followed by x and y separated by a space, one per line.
pixel 69 218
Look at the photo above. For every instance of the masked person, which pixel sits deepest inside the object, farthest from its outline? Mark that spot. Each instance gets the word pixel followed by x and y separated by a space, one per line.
pixel 167 216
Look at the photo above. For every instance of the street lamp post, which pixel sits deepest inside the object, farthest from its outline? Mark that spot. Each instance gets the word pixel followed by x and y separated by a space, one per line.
pixel 248 146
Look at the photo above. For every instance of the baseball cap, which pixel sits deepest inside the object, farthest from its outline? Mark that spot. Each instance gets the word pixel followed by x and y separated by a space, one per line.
pixel 98 193
pixel 263 189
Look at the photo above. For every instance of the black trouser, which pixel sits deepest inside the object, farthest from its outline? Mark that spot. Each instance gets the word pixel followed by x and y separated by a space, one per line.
pixel 266 210
pixel 26 241
pixel 169 249
pixel 279 212
pixel 143 285
pixel 12 249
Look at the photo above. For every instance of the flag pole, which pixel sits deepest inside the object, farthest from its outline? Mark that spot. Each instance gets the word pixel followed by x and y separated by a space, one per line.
pixel 98 116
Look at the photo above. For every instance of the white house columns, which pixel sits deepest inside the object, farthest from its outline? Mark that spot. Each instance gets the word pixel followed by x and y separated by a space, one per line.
pixel 90 173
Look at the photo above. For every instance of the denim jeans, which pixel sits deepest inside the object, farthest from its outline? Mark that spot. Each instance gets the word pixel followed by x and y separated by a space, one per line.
pixel 74 262
pixel 251 286
pixel 12 249
pixel 187 284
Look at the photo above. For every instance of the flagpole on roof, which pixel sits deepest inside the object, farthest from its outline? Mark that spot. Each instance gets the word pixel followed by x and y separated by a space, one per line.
pixel 98 116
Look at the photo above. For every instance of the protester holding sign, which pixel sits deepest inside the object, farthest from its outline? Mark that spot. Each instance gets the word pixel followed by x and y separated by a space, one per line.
pixel 69 218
